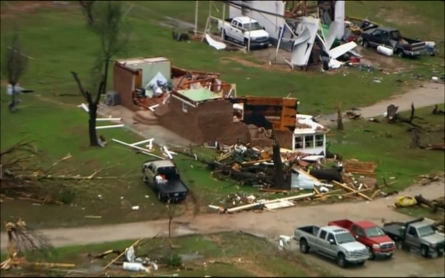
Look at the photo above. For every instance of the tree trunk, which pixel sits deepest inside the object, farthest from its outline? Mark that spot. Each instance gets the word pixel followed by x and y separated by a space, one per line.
pixel 90 17
pixel 278 165
pixel 92 125
pixel 107 62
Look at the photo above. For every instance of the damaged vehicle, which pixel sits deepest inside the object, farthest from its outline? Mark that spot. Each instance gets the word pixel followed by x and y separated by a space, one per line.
pixel 417 234
pixel 392 38
pixel 369 234
pixel 243 28
pixel 332 242
pixel 163 177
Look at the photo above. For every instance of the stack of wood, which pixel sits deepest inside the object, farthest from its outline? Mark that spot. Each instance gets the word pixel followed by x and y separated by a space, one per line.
pixel 361 168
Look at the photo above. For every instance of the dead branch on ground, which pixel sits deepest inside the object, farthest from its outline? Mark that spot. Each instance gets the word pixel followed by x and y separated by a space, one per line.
pixel 437 111
pixel 392 115
pixel 18 174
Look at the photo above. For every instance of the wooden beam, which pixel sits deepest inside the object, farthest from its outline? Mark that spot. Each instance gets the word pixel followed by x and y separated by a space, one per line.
pixel 352 190
pixel 121 254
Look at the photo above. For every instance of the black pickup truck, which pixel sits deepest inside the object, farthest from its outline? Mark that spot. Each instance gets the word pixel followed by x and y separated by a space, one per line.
pixel 390 37
pixel 163 177
pixel 418 234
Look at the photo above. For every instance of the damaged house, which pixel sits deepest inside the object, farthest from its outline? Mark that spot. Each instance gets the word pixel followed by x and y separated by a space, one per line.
pixel 201 107
pixel 310 30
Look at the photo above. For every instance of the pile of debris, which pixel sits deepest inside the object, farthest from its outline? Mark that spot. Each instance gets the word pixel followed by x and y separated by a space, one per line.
pixel 128 260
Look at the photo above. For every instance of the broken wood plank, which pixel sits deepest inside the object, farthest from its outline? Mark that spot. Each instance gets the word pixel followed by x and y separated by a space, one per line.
pixel 121 254
pixel 298 197
pixel 352 190
pixel 375 193
pixel 53 265
pixel 283 191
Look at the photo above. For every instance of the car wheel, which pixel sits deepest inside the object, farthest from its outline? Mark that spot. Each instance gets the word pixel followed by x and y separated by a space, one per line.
pixel 400 53
pixel 341 261
pixel 371 254
pixel 224 35
pixel 365 44
pixel 304 248
pixel 424 251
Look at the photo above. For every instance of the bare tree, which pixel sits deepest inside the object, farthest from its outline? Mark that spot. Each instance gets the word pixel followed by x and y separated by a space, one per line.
pixel 87 9
pixel 113 37
pixel 14 66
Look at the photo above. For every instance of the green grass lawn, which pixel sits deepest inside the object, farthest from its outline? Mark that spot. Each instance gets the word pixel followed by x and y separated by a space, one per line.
pixel 58 42
pixel 236 255
pixel 387 145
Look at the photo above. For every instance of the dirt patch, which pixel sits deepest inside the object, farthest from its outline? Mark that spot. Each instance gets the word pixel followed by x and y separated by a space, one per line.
pixel 371 57
pixel 13 9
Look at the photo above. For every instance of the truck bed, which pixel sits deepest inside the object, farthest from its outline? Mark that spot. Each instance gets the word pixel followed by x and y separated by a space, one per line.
pixel 309 229
pixel 174 186
pixel 344 223
pixel 393 230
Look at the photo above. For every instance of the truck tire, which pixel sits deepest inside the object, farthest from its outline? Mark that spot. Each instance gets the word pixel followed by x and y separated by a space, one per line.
pixel 365 44
pixel 424 251
pixel 224 35
pixel 371 254
pixel 399 53
pixel 304 247
pixel 341 260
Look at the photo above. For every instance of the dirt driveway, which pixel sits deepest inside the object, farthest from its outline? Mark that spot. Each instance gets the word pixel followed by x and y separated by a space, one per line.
pixel 271 225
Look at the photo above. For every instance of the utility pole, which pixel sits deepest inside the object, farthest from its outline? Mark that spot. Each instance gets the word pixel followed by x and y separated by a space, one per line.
pixel 196 16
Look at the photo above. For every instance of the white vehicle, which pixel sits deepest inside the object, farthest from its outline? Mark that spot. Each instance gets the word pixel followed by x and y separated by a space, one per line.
pixel 241 28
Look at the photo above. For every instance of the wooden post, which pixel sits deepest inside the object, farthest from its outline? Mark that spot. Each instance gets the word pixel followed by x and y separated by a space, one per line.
pixel 339 117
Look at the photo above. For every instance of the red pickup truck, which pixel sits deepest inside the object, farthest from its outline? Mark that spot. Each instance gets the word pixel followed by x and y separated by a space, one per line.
pixel 369 234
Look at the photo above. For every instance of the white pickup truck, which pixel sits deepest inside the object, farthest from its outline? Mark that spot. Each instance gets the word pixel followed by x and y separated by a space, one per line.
pixel 241 28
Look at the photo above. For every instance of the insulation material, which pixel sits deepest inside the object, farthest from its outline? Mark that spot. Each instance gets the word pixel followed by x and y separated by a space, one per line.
pixel 215 44
pixel 302 51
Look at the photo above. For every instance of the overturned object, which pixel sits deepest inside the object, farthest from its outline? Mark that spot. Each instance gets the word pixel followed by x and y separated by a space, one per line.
pixel 215 44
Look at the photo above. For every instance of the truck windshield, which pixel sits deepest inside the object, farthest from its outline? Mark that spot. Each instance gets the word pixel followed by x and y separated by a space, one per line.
pixel 374 232
pixel 344 238
pixel 252 26
pixel 425 231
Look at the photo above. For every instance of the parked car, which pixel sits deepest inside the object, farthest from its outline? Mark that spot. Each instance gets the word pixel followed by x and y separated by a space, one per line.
pixel 369 234
pixel 240 29
pixel 392 38
pixel 417 233
pixel 333 242
pixel 163 177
